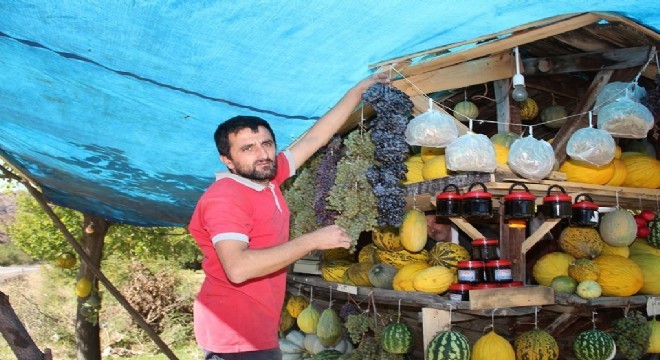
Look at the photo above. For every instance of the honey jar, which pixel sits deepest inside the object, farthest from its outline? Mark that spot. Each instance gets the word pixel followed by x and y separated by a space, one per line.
pixel 478 203
pixel 557 205
pixel 585 213
pixel 448 203
pixel 519 204
pixel 470 272
pixel 485 249
pixel 459 292
pixel 498 271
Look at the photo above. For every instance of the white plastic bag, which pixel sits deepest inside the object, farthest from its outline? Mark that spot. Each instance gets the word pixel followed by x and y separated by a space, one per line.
pixel 594 146
pixel 618 90
pixel 431 129
pixel 471 152
pixel 531 158
pixel 626 118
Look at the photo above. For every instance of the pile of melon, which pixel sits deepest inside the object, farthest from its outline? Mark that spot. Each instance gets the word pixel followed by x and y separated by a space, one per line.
pixel 608 261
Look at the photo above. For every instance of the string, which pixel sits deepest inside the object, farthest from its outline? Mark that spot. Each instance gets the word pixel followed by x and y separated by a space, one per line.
pixel 591 123
pixel 450 308
pixel 593 319
pixel 536 317
pixel 398 318
pixel 654 53
pixel 616 196
pixel 470 124
pixel 330 301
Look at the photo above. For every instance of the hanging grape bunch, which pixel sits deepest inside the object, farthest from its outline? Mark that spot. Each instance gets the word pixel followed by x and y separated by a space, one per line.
pixel 652 102
pixel 387 133
pixel 325 178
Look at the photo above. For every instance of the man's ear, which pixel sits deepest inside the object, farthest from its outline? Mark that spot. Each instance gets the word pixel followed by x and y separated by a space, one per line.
pixel 227 161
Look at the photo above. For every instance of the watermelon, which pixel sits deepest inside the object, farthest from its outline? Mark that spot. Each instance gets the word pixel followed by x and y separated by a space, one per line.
pixel 593 345
pixel 397 339
pixel 653 237
pixel 448 345
pixel 330 354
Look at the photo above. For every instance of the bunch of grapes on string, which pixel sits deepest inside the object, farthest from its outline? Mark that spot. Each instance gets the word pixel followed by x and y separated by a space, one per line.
pixel 325 179
pixel 388 135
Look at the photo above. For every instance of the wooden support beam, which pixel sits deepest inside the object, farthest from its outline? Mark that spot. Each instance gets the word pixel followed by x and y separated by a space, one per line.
pixel 480 71
pixel 592 61
pixel 586 103
pixel 502 100
pixel 468 228
pixel 481 39
pixel 434 321
pixel 485 49
pixel 547 225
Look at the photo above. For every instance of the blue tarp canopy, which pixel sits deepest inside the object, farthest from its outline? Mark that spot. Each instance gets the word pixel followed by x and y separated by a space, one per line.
pixel 110 106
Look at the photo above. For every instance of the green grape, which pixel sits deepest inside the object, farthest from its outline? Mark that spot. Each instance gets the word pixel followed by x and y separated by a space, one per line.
pixel 299 196
pixel 357 326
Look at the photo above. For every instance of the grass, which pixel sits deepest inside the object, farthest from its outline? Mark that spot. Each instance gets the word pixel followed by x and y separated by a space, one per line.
pixel 10 254
pixel 45 302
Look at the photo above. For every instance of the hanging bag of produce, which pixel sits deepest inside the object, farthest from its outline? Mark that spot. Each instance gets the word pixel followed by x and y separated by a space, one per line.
pixel 531 158
pixel 594 146
pixel 432 129
pixel 625 118
pixel 471 152
pixel 618 90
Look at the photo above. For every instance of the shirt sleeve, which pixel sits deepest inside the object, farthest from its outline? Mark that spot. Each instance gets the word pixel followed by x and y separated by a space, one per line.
pixel 285 167
pixel 226 216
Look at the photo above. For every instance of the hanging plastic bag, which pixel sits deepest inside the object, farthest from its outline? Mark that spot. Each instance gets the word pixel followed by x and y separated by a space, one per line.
pixel 431 129
pixel 594 146
pixel 471 152
pixel 626 118
pixel 531 158
pixel 618 90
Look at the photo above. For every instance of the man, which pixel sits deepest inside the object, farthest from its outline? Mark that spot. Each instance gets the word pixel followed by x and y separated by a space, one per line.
pixel 241 224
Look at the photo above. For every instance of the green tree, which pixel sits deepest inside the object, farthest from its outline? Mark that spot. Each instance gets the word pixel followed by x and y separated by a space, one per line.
pixel 34 232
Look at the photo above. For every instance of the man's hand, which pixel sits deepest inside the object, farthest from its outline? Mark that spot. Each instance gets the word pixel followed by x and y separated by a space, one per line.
pixel 330 237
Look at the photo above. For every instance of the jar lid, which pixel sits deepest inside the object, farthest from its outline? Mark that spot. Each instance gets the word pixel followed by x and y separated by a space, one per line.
pixel 586 205
pixel 470 264
pixel 500 262
pixel 557 198
pixel 485 286
pixel 512 284
pixel 484 241
pixel 520 195
pixel 478 194
pixel 459 286
pixel 448 195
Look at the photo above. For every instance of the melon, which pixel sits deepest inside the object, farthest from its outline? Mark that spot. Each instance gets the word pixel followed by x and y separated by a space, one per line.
pixel 593 345
pixel 618 228
pixel 619 276
pixel 550 266
pixel 650 265
pixel 589 289
pixel 492 347
pixel 564 284
pixel 448 254
pixel 397 338
pixel 382 276
pixel 536 344
pixel 448 345
pixel 581 242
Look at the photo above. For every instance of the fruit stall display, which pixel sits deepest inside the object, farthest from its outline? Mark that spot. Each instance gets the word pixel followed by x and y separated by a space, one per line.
pixel 397 296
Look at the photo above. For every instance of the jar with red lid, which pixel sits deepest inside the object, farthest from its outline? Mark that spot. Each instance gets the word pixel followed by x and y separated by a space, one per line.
pixel 449 203
pixel 485 286
pixel 519 204
pixel 459 292
pixel 585 213
pixel 485 249
pixel 470 272
pixel 513 284
pixel 557 205
pixel 478 203
pixel 498 271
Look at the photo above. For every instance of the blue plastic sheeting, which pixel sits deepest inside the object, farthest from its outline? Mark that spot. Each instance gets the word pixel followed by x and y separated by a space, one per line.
pixel 110 106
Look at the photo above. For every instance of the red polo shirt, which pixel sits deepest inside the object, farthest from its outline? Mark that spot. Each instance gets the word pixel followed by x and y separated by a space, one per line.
pixel 229 317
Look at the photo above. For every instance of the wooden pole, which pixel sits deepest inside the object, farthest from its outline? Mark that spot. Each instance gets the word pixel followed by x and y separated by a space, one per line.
pixel 17 337
pixel 90 263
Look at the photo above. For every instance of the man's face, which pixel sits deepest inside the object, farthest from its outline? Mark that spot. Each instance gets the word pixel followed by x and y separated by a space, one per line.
pixel 252 155
pixel 437 232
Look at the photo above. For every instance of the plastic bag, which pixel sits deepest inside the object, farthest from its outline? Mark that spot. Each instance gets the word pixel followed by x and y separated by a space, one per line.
pixel 594 146
pixel 471 152
pixel 618 90
pixel 626 118
pixel 531 158
pixel 432 129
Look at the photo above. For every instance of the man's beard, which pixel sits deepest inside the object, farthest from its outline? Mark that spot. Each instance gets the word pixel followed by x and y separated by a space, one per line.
pixel 258 175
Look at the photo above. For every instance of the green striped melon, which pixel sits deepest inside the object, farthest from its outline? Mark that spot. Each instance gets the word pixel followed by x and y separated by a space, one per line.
pixel 329 354
pixel 654 233
pixel 397 338
pixel 448 255
pixel 448 345
pixel 536 344
pixel 593 345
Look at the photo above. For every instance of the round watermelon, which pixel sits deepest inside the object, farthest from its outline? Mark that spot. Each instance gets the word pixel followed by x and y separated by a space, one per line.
pixel 397 338
pixel 593 345
pixel 448 345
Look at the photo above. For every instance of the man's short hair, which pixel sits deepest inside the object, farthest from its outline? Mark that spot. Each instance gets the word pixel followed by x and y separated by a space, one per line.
pixel 233 126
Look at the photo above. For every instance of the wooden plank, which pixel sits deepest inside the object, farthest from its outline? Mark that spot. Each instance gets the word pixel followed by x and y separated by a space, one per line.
pixel 483 38
pixel 613 17
pixel 592 61
pixel 502 100
pixel 468 228
pixel 496 46
pixel 511 240
pixel 434 321
pixel 586 103
pixel 511 297
pixel 480 71
pixel 547 225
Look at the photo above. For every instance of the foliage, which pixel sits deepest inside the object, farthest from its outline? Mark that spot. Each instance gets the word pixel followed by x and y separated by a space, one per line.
pixel 34 232
pixel 10 254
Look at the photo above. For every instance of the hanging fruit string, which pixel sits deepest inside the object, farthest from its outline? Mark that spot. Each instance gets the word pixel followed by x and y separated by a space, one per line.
pixel 330 300
pixel 398 312
pixel 593 319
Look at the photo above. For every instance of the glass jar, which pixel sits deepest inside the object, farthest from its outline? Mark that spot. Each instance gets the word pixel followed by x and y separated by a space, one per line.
pixel 470 272
pixel 485 249
pixel 485 286
pixel 459 292
pixel 519 204
pixel 477 203
pixel 448 203
pixel 585 213
pixel 498 271
pixel 513 284
pixel 558 205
